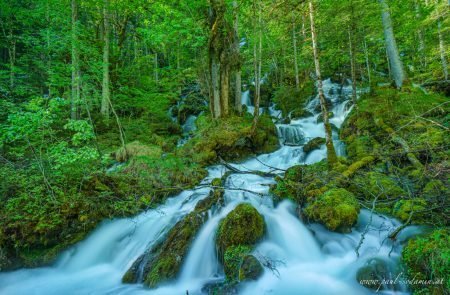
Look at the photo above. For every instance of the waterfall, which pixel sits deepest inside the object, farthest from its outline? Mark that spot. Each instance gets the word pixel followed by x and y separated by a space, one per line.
pixel 306 259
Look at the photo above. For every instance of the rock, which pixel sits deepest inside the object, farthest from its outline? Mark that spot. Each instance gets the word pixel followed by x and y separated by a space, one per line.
pixel 237 234
pixel 242 226
pixel 300 113
pixel 193 104
pixel 164 260
pixel 320 117
pixel 372 274
pixel 251 268
pixel 337 209
pixel 313 144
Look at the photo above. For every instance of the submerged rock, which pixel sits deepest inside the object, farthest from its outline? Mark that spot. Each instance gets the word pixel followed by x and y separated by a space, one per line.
pixel 337 209
pixel 372 274
pixel 163 262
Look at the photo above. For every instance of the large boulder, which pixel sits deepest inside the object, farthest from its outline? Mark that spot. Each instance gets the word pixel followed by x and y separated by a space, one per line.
pixel 337 209
pixel 237 234
pixel 163 262
pixel 373 273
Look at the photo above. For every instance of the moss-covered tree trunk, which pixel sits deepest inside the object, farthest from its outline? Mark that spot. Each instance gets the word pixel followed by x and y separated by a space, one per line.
pixel 237 74
pixel 221 55
pixel 257 53
pixel 331 153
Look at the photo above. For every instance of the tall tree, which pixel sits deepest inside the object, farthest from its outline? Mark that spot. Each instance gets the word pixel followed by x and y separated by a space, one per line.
pixel 237 74
pixel 395 63
pixel 257 58
pixel 76 79
pixel 106 91
pixel 331 153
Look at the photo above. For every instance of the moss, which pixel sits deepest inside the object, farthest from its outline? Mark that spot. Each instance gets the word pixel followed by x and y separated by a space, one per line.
pixel 233 258
pixel 313 144
pixel 136 149
pixel 337 209
pixel 242 226
pixel 357 165
pixel 373 184
pixel 402 210
pixel 300 113
pixel 428 258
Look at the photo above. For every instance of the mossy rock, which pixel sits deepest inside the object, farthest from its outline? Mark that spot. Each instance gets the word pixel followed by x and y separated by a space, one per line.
pixel 300 113
pixel 230 138
pixel 232 261
pixel 251 269
pixel 320 117
pixel 313 144
pixel 374 184
pixel 242 226
pixel 163 262
pixel 428 258
pixel 337 209
pixel 289 98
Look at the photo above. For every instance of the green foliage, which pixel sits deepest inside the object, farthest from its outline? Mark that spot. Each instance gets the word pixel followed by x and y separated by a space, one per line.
pixel 289 99
pixel 427 258
pixel 337 209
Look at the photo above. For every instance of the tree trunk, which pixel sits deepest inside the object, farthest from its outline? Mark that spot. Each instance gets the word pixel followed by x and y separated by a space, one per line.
pixel 294 41
pixel 391 45
pixel 352 65
pixel 215 82
pixel 366 55
pixel 225 90
pixel 257 53
pixel 237 74
pixel 331 153
pixel 106 93
pixel 155 61
pixel 442 51
pixel 76 81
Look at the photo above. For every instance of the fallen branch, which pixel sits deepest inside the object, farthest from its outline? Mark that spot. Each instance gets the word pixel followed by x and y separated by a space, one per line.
pixel 394 234
pixel 236 170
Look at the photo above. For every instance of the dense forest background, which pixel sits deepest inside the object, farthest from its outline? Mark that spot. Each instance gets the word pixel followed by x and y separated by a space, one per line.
pixel 88 85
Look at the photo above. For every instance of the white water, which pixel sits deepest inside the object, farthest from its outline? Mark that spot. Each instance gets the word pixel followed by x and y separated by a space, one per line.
pixel 308 260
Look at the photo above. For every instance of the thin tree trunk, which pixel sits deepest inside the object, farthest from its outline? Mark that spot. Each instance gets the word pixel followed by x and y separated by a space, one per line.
pixel 76 81
pixel 257 53
pixel 420 36
pixel 215 82
pixel 237 74
pixel 331 153
pixel 155 60
pixel 391 45
pixel 106 93
pixel 294 41
pixel 225 90
pixel 442 51
pixel 366 55
pixel 352 65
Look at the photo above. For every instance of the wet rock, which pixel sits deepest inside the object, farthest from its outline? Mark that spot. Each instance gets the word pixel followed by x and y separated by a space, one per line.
pixel 313 144
pixel 300 113
pixel 372 274
pixel 162 262
pixel 251 268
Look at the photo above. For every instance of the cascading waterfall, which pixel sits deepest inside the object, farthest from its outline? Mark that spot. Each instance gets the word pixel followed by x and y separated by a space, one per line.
pixel 305 260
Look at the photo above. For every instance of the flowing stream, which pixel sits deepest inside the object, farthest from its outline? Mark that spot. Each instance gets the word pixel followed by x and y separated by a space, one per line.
pixel 304 259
